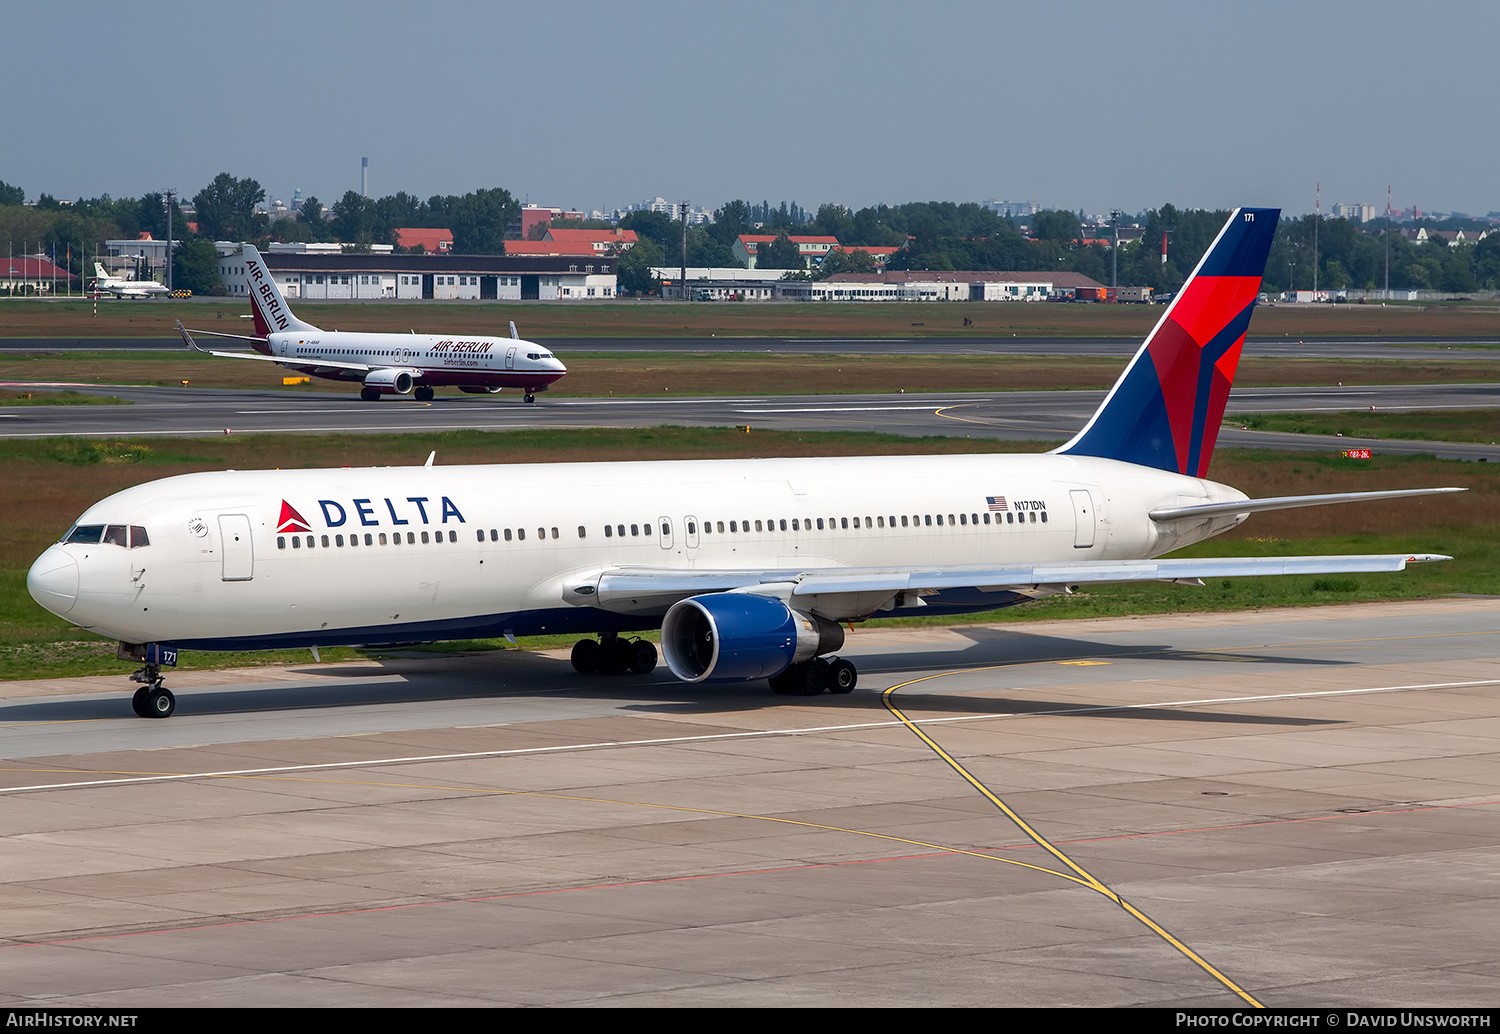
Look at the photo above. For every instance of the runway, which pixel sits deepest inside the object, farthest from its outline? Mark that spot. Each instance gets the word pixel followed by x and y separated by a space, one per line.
pixel 1410 349
pixel 1291 808
pixel 1019 415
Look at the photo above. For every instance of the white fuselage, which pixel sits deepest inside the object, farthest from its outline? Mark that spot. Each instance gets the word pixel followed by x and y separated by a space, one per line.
pixel 319 557
pixel 435 360
pixel 130 288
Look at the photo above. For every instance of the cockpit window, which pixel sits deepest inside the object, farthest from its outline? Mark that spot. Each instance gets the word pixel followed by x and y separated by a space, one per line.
pixel 125 536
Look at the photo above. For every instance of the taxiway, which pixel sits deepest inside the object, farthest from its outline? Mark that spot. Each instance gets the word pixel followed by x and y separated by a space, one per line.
pixel 1301 807
pixel 1017 415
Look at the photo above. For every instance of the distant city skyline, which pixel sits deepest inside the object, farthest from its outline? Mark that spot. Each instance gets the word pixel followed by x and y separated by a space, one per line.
pixel 1087 105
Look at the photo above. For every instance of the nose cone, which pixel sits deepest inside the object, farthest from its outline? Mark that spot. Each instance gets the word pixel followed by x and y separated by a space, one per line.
pixel 555 365
pixel 53 581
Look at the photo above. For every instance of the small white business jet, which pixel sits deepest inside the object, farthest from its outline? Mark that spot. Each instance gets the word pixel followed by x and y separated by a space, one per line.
pixel 748 567
pixel 384 364
pixel 120 287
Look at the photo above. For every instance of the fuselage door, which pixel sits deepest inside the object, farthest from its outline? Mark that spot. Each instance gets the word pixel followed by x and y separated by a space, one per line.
pixel 1083 518
pixel 664 525
pixel 236 548
pixel 510 358
pixel 690 532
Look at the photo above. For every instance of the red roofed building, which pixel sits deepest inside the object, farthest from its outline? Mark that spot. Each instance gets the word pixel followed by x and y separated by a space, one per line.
pixel 603 242
pixel 32 276
pixel 812 249
pixel 549 248
pixel 434 240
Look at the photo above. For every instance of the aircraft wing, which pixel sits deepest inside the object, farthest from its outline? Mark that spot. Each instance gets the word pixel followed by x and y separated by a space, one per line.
pixel 640 588
pixel 280 360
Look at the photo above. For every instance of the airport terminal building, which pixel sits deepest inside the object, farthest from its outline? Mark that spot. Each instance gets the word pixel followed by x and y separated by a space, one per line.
pixel 358 276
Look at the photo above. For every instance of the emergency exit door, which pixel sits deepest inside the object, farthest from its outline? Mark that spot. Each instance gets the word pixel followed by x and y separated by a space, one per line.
pixel 1083 518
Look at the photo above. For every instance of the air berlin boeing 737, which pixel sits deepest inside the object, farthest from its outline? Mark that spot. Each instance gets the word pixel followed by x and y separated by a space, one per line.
pixel 748 567
pixel 384 364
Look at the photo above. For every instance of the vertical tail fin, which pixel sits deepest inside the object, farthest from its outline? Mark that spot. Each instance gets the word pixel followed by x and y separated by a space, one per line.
pixel 266 303
pixel 1165 409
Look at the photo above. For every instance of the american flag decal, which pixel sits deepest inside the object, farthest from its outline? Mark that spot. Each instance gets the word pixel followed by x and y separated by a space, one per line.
pixel 996 502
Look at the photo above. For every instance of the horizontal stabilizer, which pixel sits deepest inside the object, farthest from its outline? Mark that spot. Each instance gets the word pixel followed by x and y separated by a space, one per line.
pixel 1285 502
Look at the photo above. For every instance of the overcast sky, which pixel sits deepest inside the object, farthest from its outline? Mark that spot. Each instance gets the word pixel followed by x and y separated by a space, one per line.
pixel 1089 104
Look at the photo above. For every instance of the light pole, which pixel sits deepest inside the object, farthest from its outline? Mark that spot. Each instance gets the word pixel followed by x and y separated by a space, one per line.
pixel 166 201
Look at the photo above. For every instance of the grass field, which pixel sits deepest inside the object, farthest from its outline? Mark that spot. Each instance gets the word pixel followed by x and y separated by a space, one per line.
pixel 650 319
pixel 60 398
pixel 1447 425
pixel 735 373
pixel 48 482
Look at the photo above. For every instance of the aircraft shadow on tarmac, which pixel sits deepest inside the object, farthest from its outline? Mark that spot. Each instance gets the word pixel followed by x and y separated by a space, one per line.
pixel 500 674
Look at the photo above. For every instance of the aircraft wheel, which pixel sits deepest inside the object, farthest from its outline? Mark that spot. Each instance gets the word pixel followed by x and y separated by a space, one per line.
pixel 842 677
pixel 586 656
pixel 782 683
pixel 642 657
pixel 530 397
pixel 614 656
pixel 160 703
pixel 810 678
pixel 424 394
pixel 369 394
pixel 138 703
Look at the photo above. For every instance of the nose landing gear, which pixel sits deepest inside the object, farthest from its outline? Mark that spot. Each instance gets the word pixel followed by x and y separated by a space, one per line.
pixel 152 700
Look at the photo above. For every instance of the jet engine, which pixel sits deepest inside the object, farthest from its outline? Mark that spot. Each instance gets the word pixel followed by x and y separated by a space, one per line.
pixel 734 636
pixel 389 381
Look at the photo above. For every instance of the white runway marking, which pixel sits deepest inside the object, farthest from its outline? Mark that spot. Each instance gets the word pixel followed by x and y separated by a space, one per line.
pixel 759 734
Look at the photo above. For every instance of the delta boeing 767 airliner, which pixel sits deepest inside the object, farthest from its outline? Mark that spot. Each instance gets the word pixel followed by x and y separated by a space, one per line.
pixel 748 567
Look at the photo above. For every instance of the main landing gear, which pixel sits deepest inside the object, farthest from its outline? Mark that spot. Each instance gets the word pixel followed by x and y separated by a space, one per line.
pixel 611 655
pixel 152 700
pixel 529 396
pixel 424 393
pixel 810 678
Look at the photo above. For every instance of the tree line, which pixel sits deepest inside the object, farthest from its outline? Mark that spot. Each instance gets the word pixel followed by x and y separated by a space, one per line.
pixel 939 235
pixel 227 209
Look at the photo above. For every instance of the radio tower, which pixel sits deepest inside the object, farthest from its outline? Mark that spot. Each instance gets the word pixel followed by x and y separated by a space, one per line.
pixel 1317 218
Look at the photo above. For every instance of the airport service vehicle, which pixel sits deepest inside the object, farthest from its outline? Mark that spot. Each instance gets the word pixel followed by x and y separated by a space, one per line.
pixel 750 568
pixel 120 287
pixel 384 364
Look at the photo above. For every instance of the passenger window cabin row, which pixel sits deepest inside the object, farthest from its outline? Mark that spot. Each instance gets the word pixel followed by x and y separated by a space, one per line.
pixel 844 523
pixel 648 529
pixel 370 539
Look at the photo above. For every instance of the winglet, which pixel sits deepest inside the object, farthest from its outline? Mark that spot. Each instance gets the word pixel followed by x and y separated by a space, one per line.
pixel 430 457
pixel 188 338
pixel 513 335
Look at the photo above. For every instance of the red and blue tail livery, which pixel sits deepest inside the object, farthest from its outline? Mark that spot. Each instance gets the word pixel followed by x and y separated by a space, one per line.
pixel 1165 409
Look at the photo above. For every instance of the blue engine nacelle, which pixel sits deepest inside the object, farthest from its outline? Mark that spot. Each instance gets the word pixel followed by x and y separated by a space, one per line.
pixel 736 636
